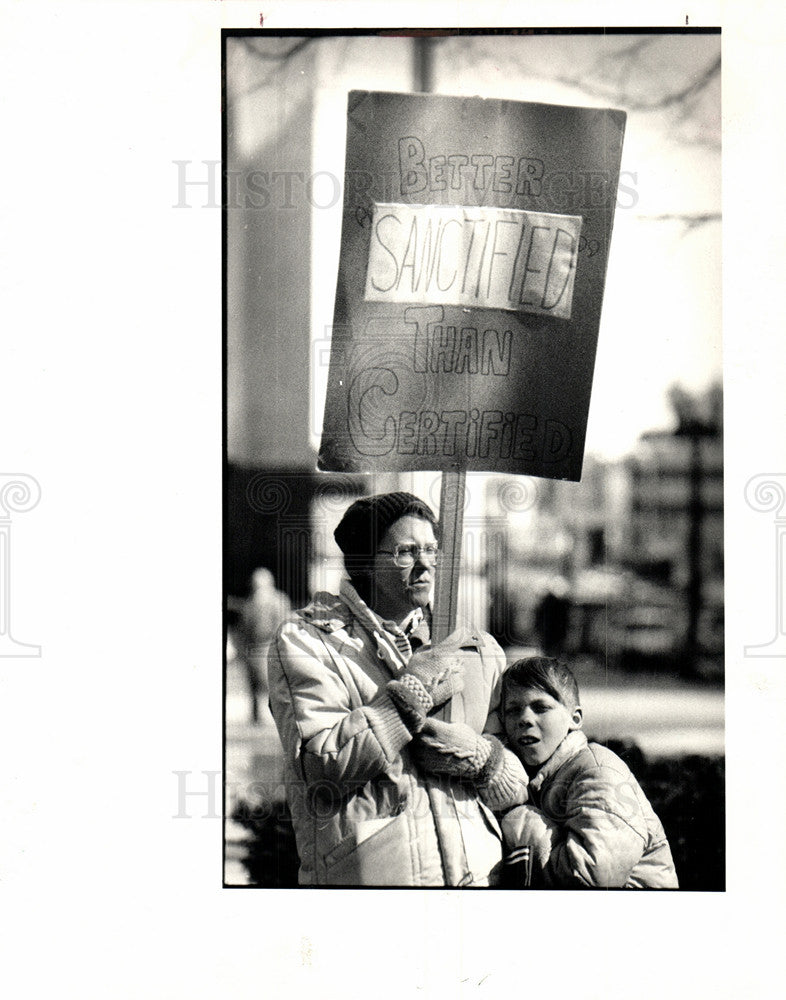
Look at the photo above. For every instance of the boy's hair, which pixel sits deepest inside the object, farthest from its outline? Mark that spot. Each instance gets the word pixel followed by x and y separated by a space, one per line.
pixel 546 674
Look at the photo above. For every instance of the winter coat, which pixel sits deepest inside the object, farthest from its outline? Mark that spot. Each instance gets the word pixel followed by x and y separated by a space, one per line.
pixel 362 813
pixel 588 824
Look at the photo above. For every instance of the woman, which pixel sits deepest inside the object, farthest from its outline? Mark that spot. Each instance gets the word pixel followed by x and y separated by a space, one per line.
pixel 374 799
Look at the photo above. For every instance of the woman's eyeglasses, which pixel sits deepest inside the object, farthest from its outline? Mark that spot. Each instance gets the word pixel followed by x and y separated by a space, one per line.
pixel 404 556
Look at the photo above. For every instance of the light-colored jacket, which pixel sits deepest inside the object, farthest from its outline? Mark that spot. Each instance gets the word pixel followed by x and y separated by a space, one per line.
pixel 589 824
pixel 362 813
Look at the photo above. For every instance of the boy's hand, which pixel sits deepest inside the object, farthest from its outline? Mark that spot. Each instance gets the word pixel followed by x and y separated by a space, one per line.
pixel 432 677
pixel 527 826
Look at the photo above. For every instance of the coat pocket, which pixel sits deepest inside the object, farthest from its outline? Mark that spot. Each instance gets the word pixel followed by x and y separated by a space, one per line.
pixel 383 858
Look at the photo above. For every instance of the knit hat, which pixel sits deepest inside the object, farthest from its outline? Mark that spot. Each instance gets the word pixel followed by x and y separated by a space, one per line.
pixel 365 523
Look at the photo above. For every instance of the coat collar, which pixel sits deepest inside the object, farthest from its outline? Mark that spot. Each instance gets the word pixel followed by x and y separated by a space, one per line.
pixel 327 612
pixel 371 619
pixel 347 611
pixel 392 644
pixel 332 613
pixel 573 743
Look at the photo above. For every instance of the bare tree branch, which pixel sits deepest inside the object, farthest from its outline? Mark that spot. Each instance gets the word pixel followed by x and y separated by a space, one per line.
pixel 689 220
pixel 272 56
pixel 625 58
pixel 279 58
pixel 637 104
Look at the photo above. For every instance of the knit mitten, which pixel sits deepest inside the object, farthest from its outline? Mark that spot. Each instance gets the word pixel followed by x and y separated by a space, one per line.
pixel 503 781
pixel 432 677
pixel 451 748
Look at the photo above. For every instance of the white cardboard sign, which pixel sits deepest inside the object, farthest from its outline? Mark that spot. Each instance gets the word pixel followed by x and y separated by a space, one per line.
pixel 483 257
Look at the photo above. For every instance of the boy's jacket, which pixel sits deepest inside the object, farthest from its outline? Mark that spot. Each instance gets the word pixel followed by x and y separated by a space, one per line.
pixel 589 825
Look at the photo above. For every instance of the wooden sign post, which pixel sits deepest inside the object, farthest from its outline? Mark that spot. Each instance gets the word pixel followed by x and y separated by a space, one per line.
pixel 451 520
pixel 474 247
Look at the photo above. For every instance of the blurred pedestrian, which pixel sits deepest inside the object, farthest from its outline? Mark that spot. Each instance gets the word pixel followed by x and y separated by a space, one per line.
pixel 354 682
pixel 261 614
pixel 551 618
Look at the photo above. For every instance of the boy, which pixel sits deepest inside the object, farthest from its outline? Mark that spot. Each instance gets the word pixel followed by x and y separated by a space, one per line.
pixel 587 823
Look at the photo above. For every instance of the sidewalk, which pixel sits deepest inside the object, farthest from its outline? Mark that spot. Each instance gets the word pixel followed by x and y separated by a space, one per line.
pixel 254 766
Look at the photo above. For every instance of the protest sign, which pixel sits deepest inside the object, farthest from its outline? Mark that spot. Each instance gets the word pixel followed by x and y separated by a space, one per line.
pixel 474 248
